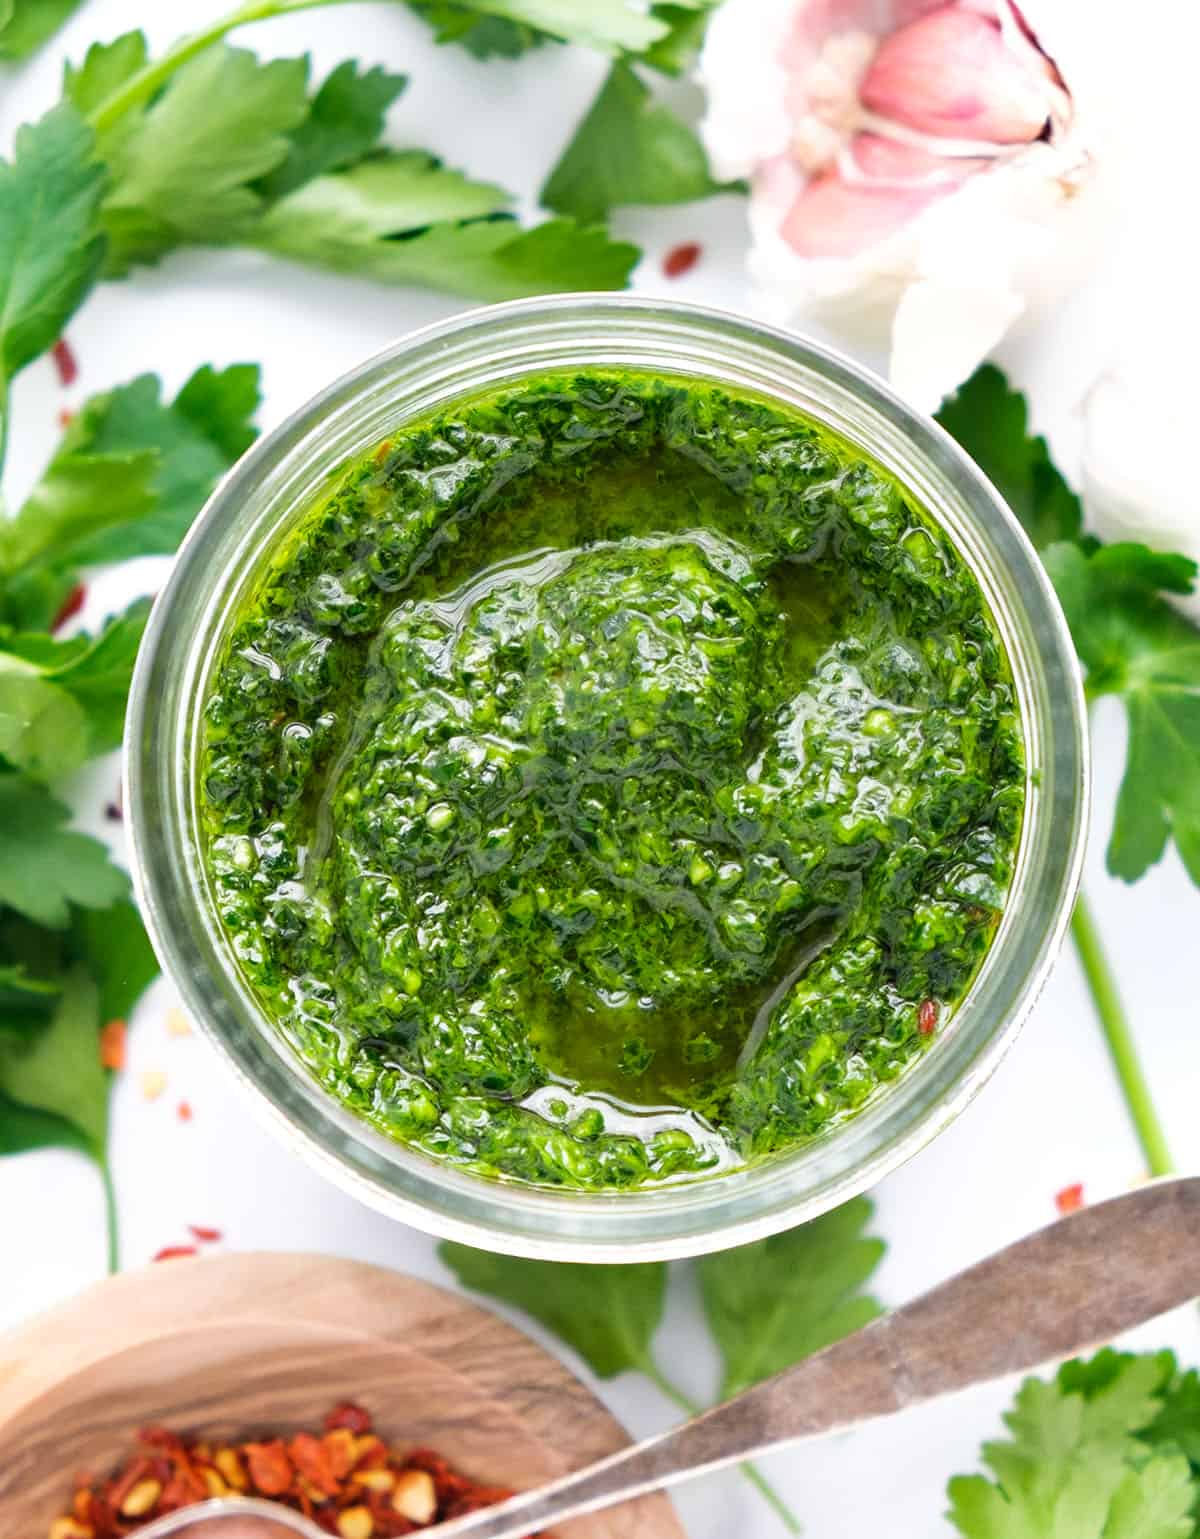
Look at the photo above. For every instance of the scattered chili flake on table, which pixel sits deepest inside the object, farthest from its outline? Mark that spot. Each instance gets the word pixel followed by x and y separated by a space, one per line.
pixel 64 362
pixel 927 1017
pixel 69 607
pixel 204 1234
pixel 65 417
pixel 113 1038
pixel 346 1480
pixel 176 1253
pixel 184 1112
pixel 178 1024
pixel 681 259
pixel 1070 1199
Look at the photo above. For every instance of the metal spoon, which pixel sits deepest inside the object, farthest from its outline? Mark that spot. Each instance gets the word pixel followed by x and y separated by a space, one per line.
pixel 1071 1286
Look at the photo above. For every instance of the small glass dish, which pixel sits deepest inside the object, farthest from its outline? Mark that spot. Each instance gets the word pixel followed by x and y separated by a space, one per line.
pixel 274 485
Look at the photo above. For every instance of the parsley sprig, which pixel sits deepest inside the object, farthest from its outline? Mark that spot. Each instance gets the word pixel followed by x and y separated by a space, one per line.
pixel 1108 1447
pixel 1135 646
pixel 126 480
pixel 767 1305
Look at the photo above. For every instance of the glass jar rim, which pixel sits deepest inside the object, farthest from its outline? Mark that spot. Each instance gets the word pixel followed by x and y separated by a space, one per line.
pixel 274 484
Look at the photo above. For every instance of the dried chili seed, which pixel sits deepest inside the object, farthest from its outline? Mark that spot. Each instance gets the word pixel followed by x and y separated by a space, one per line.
pixel 927 1017
pixel 233 1472
pixel 356 1523
pixel 1070 1199
pixel 142 1499
pixel 64 362
pixel 350 1417
pixel 205 1235
pixel 176 1252
pixel 414 1496
pixel 681 259
pixel 71 1528
pixel 69 607
pixel 177 1024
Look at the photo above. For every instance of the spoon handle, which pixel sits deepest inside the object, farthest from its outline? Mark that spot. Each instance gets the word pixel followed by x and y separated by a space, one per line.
pixel 1071 1286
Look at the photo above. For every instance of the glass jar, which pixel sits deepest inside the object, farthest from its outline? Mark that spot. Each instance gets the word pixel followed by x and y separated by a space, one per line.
pixel 277 482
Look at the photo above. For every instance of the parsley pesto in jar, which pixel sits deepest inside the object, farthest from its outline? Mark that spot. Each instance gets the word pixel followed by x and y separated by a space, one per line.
pixel 614 780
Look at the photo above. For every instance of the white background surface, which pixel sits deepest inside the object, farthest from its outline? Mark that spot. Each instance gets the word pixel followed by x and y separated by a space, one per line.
pixel 1050 1117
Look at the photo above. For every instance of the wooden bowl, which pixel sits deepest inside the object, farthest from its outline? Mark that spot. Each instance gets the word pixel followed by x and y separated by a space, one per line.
pixel 230 1346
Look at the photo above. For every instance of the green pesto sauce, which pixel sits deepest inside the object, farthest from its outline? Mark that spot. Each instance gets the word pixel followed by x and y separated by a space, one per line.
pixel 603 777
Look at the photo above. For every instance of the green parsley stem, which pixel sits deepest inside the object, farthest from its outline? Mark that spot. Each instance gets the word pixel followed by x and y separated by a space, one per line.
pixel 751 1471
pixel 1107 1000
pixel 143 85
pixel 110 1216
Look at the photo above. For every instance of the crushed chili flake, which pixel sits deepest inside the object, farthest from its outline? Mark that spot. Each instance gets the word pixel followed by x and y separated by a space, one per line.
pixel 681 259
pixel 69 607
pixel 65 417
pixel 176 1253
pixel 1070 1199
pixel 113 1042
pixel 184 1112
pixel 345 1479
pixel 348 1417
pixel 204 1234
pixel 65 362
pixel 927 1017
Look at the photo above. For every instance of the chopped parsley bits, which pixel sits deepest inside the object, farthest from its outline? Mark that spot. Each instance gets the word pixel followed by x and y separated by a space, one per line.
pixel 615 780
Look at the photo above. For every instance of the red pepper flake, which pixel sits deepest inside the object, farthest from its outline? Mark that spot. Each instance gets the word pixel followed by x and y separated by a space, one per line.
pixel 65 417
pixel 205 1235
pixel 176 1252
pixel 113 1039
pixel 681 259
pixel 70 607
pixel 64 361
pixel 349 1416
pixel 184 1112
pixel 270 1468
pixel 312 1460
pixel 927 1017
pixel 348 1482
pixel 1070 1199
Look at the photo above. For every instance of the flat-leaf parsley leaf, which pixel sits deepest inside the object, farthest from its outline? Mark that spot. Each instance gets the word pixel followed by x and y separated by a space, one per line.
pixel 628 149
pixel 1136 646
pixel 1082 1462
pixel 779 1300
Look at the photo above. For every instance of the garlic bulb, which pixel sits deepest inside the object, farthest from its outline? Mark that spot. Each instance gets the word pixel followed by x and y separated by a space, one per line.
pixel 912 164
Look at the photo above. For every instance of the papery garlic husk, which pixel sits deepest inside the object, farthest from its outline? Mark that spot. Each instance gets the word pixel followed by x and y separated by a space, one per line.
pixel 917 169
